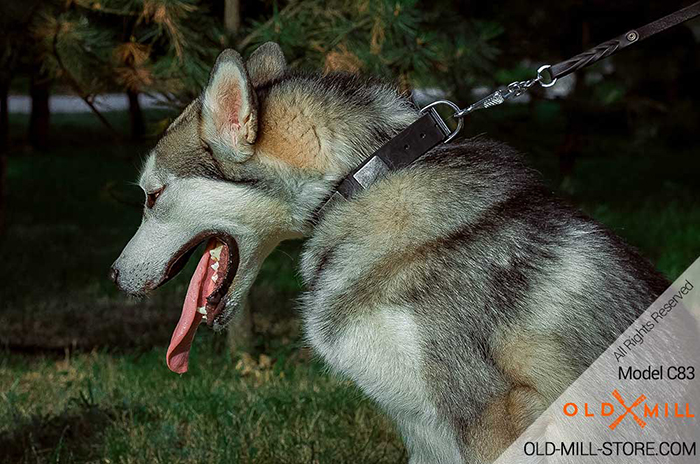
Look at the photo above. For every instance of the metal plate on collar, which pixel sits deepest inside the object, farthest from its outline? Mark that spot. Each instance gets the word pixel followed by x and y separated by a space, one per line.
pixel 370 172
pixel 336 197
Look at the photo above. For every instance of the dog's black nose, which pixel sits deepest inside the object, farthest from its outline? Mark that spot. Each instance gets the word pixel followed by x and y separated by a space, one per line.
pixel 114 275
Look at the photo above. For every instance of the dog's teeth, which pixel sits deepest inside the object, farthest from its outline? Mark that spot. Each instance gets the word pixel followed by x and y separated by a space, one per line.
pixel 215 266
pixel 216 252
pixel 214 278
pixel 202 310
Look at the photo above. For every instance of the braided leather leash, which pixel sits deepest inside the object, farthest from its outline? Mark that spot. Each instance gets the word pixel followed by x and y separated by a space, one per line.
pixel 547 75
pixel 613 46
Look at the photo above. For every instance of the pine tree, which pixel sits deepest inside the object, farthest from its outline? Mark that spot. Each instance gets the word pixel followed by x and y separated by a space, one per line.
pixel 427 46
pixel 166 47
pixel 161 47
pixel 14 18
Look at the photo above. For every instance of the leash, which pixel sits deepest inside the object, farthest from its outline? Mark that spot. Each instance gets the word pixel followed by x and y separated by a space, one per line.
pixel 430 129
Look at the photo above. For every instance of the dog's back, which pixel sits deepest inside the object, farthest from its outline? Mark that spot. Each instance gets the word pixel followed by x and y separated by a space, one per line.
pixel 466 284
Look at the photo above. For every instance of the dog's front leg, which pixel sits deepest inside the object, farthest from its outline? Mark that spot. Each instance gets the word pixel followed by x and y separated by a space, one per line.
pixel 429 440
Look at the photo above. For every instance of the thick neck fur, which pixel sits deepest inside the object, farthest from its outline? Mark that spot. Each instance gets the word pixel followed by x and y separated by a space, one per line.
pixel 349 116
pixel 337 121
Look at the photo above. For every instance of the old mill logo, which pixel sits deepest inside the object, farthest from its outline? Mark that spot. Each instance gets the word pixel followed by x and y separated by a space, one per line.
pixel 638 411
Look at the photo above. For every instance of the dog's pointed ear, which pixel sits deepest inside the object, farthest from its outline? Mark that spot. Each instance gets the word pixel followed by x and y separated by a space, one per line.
pixel 266 64
pixel 230 108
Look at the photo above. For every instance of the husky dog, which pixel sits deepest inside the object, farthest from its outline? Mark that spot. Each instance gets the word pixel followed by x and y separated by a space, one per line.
pixel 458 293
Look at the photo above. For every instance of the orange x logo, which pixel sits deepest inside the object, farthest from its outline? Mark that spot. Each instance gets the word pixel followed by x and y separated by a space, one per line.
pixel 628 410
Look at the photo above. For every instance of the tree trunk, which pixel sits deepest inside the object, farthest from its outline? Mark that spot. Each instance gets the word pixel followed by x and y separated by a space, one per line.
pixel 138 128
pixel 40 116
pixel 232 16
pixel 4 144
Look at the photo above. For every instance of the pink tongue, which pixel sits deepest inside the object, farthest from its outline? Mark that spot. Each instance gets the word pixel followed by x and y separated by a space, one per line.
pixel 181 341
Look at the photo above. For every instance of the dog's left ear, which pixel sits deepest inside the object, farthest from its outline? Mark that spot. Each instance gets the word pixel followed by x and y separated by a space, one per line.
pixel 230 108
pixel 266 64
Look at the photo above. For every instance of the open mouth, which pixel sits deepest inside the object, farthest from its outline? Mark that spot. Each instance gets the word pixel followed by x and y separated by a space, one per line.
pixel 206 294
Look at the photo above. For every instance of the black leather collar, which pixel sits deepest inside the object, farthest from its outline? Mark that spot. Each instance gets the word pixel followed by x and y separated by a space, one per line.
pixel 401 151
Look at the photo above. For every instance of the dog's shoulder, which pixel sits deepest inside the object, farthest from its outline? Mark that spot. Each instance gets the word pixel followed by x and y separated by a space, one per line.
pixel 450 186
pixel 431 205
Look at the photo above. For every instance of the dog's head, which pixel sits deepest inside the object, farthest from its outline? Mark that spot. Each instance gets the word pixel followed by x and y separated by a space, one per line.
pixel 242 168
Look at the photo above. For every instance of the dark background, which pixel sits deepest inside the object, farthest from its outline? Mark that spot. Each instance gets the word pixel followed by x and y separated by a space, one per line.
pixel 82 371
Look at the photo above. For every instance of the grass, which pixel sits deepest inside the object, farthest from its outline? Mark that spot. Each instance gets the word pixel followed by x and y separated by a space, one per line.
pixel 83 377
pixel 97 407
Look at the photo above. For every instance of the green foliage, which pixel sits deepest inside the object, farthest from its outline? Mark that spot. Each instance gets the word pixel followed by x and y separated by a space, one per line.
pixel 168 46
pixel 419 44
pixel 160 46
pixel 71 47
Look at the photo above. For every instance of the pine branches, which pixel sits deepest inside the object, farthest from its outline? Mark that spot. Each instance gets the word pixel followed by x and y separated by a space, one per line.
pixel 421 45
pixel 166 47
pixel 139 46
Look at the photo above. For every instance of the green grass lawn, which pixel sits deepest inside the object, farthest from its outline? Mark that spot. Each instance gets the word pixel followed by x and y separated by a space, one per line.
pixel 98 407
pixel 83 375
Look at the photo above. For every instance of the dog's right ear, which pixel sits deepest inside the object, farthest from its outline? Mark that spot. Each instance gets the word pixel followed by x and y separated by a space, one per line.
pixel 230 108
pixel 266 64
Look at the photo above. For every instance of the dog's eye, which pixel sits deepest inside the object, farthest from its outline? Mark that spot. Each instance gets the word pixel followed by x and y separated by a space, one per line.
pixel 152 197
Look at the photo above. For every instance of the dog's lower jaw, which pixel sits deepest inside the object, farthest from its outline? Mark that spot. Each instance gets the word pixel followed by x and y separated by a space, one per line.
pixel 251 256
pixel 228 314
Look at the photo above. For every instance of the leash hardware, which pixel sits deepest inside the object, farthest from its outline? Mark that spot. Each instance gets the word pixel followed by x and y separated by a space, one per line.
pixel 455 108
pixel 512 90
pixel 541 77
